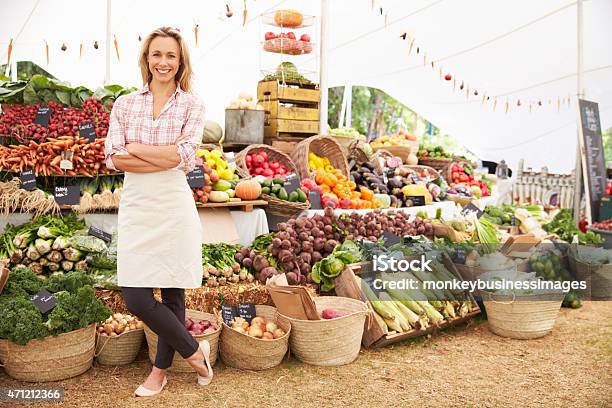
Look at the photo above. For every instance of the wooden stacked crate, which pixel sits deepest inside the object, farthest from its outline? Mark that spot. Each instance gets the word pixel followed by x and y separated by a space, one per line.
pixel 292 112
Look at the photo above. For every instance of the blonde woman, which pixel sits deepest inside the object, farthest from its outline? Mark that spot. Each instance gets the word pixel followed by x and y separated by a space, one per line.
pixel 153 137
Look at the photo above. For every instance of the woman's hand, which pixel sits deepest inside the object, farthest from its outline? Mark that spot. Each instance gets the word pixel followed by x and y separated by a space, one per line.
pixel 166 157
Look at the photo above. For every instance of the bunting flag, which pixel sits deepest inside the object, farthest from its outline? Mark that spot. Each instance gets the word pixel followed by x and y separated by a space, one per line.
pixel 117 48
pixel 47 52
pixel 195 32
pixel 81 51
pixel 10 51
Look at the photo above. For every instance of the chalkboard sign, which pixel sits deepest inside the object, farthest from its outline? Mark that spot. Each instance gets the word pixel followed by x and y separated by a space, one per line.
pixel 591 147
pixel 195 178
pixel 43 115
pixel 27 179
pixel 471 208
pixel 44 301
pixel 292 183
pixel 98 233
pixel 67 195
pixel 417 201
pixel 315 200
pixel 88 131
pixel 390 238
pixel 228 313
pixel 247 311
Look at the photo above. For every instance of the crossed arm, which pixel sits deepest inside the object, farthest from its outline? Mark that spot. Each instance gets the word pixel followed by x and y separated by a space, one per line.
pixel 147 159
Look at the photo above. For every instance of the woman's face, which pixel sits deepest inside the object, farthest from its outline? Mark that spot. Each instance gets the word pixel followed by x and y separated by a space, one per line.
pixel 164 58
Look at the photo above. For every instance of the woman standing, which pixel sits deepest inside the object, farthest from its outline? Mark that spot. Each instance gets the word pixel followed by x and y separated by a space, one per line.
pixel 153 137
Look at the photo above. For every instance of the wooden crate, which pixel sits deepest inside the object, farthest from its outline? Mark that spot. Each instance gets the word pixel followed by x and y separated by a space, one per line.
pixel 284 144
pixel 280 110
pixel 275 127
pixel 287 92
pixel 373 335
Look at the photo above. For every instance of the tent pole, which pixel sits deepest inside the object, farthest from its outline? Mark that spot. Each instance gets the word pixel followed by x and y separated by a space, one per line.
pixel 323 68
pixel 108 43
pixel 342 109
pixel 580 94
pixel 349 107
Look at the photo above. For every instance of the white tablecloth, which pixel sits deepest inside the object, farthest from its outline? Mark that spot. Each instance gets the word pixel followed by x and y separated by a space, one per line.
pixel 248 224
pixel 448 209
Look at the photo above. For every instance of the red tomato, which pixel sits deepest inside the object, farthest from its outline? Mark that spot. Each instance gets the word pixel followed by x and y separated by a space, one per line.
pixel 258 171
pixel 281 171
pixel 269 35
pixel 267 173
pixel 265 165
pixel 274 165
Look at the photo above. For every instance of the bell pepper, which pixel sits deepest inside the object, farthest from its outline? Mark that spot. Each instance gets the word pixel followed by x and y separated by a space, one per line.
pixel 366 193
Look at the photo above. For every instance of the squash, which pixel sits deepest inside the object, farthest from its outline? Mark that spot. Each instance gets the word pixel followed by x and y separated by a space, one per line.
pixel 383 200
pixel 218 197
pixel 221 185
pixel 248 190
pixel 212 132
pixel 288 18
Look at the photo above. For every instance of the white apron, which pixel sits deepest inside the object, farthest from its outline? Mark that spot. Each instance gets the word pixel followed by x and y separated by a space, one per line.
pixel 159 242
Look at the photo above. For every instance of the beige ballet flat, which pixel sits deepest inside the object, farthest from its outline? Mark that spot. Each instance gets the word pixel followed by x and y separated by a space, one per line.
pixel 141 391
pixel 205 347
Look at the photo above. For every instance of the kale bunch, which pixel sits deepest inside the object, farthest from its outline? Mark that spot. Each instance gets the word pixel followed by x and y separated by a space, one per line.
pixel 22 282
pixel 21 321
pixel 76 310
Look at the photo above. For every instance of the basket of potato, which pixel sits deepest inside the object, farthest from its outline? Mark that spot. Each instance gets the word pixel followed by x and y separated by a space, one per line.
pixel 118 339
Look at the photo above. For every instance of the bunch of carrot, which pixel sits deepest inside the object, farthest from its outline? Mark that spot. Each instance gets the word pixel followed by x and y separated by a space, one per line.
pixel 44 158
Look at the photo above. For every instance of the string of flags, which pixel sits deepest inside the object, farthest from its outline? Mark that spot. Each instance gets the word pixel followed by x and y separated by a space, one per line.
pixel 485 98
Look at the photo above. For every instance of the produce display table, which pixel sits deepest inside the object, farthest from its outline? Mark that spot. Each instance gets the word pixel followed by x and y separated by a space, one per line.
pixel 247 224
pixel 448 209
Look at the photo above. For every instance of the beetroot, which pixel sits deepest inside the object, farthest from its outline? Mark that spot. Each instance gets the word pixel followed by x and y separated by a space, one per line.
pixel 331 314
pixel 188 323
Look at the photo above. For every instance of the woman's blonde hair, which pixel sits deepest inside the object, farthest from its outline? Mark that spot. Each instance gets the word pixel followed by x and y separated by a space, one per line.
pixel 183 75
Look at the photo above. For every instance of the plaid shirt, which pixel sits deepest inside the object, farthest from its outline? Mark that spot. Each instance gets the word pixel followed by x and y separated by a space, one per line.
pixel 181 123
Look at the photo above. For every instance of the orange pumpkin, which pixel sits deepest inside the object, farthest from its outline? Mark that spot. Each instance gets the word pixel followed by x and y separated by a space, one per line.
pixel 248 190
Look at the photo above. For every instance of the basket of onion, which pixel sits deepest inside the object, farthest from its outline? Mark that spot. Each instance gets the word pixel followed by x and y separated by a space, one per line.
pixel 202 326
pixel 259 345
pixel 118 339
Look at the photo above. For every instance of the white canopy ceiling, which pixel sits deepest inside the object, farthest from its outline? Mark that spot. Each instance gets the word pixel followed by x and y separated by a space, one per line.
pixel 522 50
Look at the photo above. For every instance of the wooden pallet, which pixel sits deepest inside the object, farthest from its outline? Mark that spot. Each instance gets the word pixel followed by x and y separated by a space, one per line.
pixel 246 206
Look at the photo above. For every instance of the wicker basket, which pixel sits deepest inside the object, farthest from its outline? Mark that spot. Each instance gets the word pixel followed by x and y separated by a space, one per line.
pixel 273 154
pixel 179 365
pixel 283 208
pixel 524 316
pixel 346 142
pixel 461 200
pixel 433 173
pixel 53 358
pixel 249 353
pixel 118 350
pixel 329 342
pixel 3 350
pixel 397 151
pixel 438 163
pixel 322 146
pixel 598 278
pixel 356 153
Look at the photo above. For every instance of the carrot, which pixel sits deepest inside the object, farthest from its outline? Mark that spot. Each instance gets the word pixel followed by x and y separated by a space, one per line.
pixel 56 161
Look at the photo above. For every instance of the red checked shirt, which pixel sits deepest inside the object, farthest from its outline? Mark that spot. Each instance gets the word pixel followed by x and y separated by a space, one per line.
pixel 180 122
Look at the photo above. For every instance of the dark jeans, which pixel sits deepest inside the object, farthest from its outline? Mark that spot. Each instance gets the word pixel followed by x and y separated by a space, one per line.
pixel 165 319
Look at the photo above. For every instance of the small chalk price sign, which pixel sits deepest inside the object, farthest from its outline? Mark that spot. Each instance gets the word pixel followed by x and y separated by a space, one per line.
pixel 247 311
pixel 88 131
pixel 417 201
pixel 43 116
pixel 228 313
pixel 67 195
pixel 98 233
pixel 292 183
pixel 27 180
pixel 471 208
pixel 315 200
pixel 195 178
pixel 44 301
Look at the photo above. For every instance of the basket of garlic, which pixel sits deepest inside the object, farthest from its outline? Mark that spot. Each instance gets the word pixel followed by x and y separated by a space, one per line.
pixel 118 339
pixel 244 121
pixel 260 345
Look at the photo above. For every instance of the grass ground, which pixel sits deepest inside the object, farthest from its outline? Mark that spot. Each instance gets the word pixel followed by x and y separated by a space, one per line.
pixel 464 367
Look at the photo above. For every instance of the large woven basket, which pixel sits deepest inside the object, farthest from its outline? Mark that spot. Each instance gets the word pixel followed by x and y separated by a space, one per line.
pixel 598 278
pixel 329 342
pixel 433 173
pixel 273 154
pixel 398 151
pixel 322 146
pixel 438 163
pixel 283 208
pixel 3 350
pixel 524 316
pixel 249 353
pixel 179 365
pixel 53 358
pixel 356 153
pixel 118 350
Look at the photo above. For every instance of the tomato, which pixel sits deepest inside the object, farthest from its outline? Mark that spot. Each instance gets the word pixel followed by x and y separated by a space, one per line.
pixel 258 171
pixel 258 160
pixel 463 178
pixel 274 165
